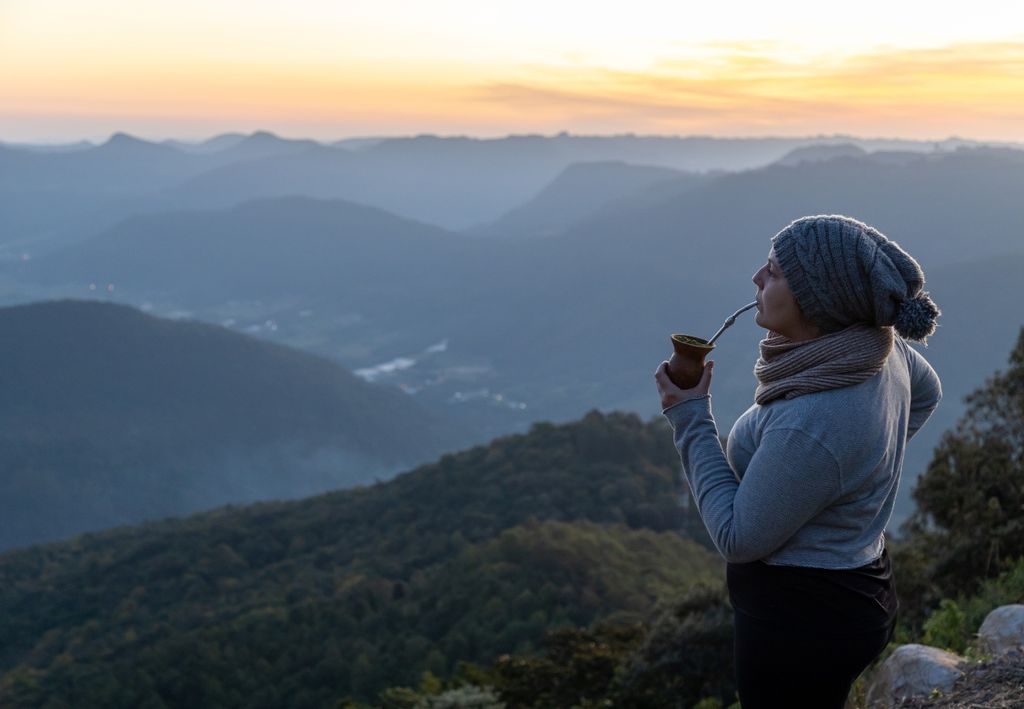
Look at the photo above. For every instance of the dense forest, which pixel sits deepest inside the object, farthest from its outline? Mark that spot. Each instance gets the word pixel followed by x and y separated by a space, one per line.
pixel 555 568
pixel 343 594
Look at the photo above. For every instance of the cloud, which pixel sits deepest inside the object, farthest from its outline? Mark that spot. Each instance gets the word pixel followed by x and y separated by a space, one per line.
pixel 760 84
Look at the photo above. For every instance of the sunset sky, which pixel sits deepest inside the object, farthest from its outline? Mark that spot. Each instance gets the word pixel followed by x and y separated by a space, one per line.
pixel 333 69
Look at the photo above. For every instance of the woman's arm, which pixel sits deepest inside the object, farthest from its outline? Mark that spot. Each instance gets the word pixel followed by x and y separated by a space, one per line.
pixel 790 479
pixel 925 389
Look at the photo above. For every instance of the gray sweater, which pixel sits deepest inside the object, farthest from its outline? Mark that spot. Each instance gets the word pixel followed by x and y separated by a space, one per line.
pixel 808 481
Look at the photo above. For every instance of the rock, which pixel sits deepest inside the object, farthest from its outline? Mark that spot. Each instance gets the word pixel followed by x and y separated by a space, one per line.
pixel 997 683
pixel 912 671
pixel 1002 630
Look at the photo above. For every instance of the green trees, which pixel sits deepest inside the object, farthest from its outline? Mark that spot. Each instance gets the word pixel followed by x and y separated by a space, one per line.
pixel 303 603
pixel 671 659
pixel 685 656
pixel 969 520
pixel 548 569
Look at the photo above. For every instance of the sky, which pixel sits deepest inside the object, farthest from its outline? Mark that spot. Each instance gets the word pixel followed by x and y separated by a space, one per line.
pixel 332 69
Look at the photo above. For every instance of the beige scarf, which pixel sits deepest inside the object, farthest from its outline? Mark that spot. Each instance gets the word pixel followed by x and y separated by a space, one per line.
pixel 787 369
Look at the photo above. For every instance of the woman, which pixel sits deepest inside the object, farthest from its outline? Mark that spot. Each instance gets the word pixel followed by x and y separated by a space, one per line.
pixel 798 503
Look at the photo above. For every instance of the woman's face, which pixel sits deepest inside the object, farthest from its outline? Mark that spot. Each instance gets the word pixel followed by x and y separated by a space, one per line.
pixel 776 307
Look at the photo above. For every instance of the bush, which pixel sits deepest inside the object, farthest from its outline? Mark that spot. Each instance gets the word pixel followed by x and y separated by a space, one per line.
pixel 468 697
pixel 954 624
pixel 946 628
pixel 970 501
pixel 686 657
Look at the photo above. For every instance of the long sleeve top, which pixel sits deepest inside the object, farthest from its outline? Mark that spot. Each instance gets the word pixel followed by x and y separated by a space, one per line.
pixel 807 481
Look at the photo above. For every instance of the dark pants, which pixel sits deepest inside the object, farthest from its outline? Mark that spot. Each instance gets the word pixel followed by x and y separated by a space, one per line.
pixel 780 667
pixel 803 635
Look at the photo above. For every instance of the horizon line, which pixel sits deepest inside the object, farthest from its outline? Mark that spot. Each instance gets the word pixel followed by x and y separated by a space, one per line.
pixel 505 136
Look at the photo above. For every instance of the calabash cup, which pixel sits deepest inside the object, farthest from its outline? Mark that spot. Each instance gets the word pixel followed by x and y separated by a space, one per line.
pixel 686 366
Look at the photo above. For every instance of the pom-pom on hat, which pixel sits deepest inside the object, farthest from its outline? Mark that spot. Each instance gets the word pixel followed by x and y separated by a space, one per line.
pixel 842 271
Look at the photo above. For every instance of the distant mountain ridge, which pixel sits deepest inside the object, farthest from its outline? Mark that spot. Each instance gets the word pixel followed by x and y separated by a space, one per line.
pixel 580 192
pixel 240 146
pixel 562 324
pixel 818 153
pixel 111 416
pixel 56 196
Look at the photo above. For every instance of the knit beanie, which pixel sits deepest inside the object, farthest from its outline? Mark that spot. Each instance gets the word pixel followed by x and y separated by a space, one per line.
pixel 842 271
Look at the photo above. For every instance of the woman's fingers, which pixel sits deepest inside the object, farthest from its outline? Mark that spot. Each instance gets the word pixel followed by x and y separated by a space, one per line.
pixel 662 378
pixel 709 370
pixel 704 385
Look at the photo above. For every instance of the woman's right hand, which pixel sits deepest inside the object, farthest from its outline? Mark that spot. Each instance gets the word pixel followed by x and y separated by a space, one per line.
pixel 671 394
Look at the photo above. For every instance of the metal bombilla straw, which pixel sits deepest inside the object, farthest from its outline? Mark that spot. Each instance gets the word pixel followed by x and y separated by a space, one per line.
pixel 730 320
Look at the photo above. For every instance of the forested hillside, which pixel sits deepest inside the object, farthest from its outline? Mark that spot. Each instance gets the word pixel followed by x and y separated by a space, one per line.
pixel 555 568
pixel 351 592
pixel 110 416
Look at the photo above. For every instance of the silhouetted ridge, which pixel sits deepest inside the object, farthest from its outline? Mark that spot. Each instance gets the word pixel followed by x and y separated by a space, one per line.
pixel 112 416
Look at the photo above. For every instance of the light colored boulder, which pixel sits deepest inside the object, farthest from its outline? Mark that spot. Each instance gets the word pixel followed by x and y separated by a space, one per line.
pixel 912 671
pixel 1002 630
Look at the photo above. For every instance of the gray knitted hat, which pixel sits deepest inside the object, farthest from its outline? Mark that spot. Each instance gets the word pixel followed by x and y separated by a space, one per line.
pixel 842 271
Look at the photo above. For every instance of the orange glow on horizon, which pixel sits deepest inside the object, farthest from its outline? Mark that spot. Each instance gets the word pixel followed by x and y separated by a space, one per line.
pixel 207 72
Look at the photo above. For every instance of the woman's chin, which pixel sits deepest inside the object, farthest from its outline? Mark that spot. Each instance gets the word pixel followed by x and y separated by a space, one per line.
pixel 760 321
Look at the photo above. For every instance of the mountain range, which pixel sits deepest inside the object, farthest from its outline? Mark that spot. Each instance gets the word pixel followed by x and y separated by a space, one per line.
pixel 499 332
pixel 54 196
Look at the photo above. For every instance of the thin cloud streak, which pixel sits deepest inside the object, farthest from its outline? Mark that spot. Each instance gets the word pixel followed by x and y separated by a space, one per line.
pixel 742 84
